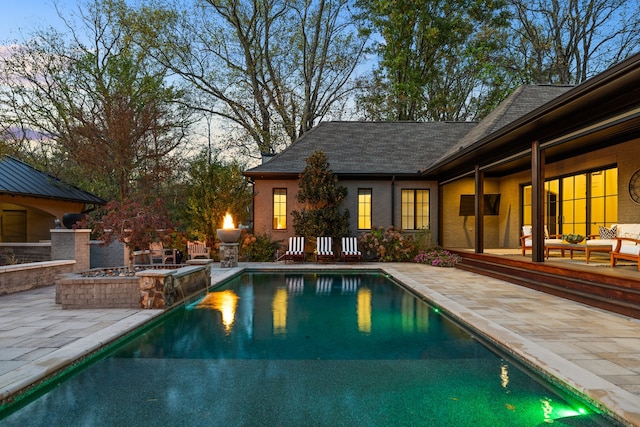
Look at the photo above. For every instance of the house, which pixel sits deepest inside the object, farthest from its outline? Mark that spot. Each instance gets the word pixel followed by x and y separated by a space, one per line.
pixel 31 201
pixel 559 156
pixel 380 164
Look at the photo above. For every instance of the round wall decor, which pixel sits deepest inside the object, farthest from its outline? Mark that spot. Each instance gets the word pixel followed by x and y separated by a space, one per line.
pixel 634 187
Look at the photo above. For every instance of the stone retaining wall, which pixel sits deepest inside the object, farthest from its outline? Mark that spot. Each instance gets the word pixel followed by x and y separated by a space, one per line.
pixel 153 288
pixel 75 291
pixel 22 253
pixel 22 277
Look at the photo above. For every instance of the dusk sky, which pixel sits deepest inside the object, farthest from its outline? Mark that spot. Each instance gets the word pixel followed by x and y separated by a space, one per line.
pixel 27 15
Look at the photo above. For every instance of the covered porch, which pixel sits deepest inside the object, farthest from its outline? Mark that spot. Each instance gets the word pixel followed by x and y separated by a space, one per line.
pixel 566 166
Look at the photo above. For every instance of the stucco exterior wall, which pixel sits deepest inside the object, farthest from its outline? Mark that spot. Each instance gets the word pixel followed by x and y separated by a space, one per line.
pixel 41 214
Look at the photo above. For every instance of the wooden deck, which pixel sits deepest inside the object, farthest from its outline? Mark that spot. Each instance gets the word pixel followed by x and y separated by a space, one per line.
pixel 595 284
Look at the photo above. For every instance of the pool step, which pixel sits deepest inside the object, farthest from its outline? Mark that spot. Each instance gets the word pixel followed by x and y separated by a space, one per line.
pixel 613 293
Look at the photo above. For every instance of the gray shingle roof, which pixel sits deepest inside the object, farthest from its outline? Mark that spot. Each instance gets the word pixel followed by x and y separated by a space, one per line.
pixel 370 147
pixel 521 101
pixel 18 178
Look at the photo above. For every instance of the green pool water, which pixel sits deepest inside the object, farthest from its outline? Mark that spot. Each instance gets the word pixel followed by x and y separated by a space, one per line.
pixel 282 349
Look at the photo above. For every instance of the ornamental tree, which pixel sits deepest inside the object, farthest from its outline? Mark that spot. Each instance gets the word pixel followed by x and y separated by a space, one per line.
pixel 133 224
pixel 321 196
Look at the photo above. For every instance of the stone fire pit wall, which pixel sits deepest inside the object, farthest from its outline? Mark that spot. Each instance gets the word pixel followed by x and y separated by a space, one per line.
pixel 149 289
pixel 160 289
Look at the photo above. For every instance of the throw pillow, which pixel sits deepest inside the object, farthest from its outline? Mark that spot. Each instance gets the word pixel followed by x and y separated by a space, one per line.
pixel 608 233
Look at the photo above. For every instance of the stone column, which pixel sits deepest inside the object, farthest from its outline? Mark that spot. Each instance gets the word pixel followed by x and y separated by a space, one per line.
pixel 156 289
pixel 72 245
pixel 229 255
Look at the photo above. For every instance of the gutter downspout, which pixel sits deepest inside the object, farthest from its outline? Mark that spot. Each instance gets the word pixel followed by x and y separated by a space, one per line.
pixel 393 200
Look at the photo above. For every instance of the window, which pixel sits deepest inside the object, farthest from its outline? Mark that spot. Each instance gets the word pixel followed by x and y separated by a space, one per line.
pixel 604 199
pixel 279 208
pixel 577 204
pixel 364 208
pixel 415 209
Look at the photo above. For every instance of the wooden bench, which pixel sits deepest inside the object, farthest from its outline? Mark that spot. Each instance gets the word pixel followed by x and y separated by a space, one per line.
pixel 197 250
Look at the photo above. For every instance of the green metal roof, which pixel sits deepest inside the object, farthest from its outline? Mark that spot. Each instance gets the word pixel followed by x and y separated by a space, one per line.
pixel 19 179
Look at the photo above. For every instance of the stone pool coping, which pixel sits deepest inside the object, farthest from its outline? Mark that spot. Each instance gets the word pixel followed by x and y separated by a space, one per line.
pixel 589 350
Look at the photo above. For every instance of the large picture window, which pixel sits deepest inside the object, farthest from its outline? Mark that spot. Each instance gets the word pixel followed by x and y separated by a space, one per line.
pixel 415 209
pixel 364 208
pixel 279 208
pixel 577 204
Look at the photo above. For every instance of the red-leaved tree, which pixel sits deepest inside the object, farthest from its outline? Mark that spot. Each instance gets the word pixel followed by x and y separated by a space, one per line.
pixel 133 224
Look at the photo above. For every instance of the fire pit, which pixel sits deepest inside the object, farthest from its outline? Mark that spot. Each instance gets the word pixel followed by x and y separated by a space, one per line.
pixel 228 236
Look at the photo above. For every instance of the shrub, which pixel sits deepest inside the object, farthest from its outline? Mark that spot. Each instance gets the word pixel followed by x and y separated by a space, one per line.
pixel 438 257
pixel 388 245
pixel 257 248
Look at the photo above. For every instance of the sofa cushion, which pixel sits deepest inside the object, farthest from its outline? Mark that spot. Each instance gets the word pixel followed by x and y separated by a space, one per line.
pixel 629 236
pixel 553 241
pixel 610 242
pixel 628 230
pixel 630 249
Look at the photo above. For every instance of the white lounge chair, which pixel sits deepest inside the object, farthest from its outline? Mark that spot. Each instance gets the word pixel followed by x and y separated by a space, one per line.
pixel 526 240
pixel 350 249
pixel 296 249
pixel 324 249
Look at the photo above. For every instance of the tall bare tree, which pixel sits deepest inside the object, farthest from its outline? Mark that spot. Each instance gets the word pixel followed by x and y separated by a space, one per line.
pixel 273 68
pixel 97 99
pixel 568 41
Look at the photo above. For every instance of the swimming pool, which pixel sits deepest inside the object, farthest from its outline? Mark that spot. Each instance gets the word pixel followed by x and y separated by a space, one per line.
pixel 301 349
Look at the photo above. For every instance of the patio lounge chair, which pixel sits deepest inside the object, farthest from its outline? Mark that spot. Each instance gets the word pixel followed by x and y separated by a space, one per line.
pixel 197 250
pixel 526 240
pixel 296 249
pixel 350 249
pixel 159 255
pixel 324 249
pixel 626 248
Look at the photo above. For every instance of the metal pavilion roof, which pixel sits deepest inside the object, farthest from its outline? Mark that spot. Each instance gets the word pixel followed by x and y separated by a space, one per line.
pixel 19 179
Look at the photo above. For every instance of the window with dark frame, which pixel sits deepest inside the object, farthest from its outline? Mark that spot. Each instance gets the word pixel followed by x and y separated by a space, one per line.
pixel 578 203
pixel 415 209
pixel 279 208
pixel 364 208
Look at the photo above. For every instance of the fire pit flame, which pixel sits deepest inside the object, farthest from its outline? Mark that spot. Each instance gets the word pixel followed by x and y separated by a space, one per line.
pixel 228 233
pixel 228 222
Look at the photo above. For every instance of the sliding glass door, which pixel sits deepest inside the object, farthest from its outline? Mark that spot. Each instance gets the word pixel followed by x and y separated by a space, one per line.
pixel 577 204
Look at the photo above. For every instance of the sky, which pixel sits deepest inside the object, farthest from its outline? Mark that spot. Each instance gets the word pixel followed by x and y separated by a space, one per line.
pixel 28 15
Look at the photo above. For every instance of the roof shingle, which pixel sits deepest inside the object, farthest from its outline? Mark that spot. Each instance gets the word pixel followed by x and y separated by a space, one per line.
pixel 370 147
